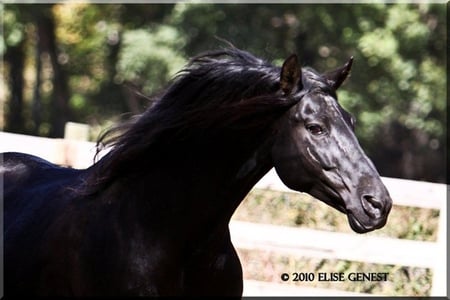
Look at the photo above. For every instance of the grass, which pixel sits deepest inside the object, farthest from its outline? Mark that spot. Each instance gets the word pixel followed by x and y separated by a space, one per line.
pixel 302 210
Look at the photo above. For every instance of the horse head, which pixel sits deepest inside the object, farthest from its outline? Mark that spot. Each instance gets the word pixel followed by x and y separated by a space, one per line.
pixel 317 139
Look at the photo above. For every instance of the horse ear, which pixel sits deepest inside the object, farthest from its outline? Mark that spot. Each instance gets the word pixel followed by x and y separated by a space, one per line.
pixel 290 74
pixel 336 78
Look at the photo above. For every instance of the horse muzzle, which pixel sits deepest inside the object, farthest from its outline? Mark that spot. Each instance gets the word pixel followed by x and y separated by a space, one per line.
pixel 371 214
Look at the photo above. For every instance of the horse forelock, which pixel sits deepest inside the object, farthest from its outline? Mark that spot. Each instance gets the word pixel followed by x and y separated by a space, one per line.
pixel 312 80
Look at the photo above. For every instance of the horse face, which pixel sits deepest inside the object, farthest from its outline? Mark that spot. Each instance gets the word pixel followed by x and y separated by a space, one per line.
pixel 316 151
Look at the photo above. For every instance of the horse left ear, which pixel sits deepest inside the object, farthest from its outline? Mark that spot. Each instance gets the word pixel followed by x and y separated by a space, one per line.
pixel 290 75
pixel 336 78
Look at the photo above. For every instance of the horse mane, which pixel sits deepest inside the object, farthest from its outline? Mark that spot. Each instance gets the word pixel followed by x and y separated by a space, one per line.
pixel 218 91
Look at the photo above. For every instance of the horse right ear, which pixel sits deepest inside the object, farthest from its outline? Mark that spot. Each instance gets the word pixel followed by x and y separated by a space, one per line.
pixel 291 74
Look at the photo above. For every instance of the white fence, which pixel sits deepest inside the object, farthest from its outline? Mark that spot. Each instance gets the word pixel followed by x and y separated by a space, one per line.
pixel 300 242
pixel 303 242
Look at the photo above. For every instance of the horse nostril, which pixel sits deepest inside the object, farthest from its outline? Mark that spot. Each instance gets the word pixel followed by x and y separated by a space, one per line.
pixel 372 206
pixel 373 201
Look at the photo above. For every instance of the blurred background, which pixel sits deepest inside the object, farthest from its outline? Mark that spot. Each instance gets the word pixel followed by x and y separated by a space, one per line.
pixel 92 63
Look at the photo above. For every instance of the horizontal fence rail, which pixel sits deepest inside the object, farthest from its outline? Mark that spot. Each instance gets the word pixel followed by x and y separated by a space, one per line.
pixel 298 242
pixel 335 245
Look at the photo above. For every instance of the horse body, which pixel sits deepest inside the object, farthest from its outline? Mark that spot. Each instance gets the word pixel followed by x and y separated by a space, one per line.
pixel 115 243
pixel 151 217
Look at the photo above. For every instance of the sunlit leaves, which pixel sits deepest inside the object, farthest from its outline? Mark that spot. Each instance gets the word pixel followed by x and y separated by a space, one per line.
pixel 379 43
pixel 13 29
pixel 148 58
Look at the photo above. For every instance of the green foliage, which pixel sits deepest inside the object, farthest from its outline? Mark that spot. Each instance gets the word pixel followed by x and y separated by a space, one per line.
pixel 415 85
pixel 397 90
pixel 13 29
pixel 149 58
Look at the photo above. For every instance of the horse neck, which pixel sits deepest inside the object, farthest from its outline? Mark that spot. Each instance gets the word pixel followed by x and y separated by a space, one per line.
pixel 217 178
pixel 199 187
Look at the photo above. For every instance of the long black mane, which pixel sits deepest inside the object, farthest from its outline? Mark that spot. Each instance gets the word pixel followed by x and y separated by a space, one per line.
pixel 224 90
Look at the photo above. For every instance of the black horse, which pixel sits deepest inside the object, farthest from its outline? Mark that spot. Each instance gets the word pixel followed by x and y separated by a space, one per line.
pixel 151 217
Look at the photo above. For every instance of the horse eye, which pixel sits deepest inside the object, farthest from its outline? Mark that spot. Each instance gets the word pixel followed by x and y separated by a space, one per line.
pixel 315 129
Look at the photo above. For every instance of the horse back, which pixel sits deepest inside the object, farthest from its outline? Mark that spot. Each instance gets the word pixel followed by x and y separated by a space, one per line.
pixel 30 183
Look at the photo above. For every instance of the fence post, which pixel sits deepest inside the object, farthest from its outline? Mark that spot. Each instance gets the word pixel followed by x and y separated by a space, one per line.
pixel 76 131
pixel 78 152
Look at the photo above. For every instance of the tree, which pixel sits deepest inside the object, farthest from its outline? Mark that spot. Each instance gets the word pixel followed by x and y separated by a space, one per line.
pixel 15 58
pixel 21 24
pixel 148 60
pixel 111 54
pixel 397 88
pixel 46 30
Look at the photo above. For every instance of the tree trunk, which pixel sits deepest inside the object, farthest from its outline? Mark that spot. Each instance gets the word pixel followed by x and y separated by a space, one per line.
pixel 15 57
pixel 36 106
pixel 59 110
